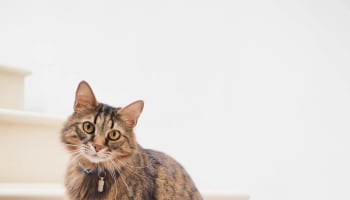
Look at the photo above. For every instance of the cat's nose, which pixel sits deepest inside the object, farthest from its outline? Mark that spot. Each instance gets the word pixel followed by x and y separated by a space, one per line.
pixel 97 147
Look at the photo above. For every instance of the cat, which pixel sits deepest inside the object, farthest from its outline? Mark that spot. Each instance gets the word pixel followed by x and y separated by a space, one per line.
pixel 106 161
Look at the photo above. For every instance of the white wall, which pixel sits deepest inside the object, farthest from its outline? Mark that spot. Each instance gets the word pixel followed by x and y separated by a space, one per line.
pixel 251 96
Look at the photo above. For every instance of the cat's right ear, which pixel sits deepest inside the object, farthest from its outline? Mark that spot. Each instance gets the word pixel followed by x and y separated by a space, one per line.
pixel 131 112
pixel 84 97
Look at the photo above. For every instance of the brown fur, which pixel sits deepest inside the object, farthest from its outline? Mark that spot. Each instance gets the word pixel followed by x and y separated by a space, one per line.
pixel 131 172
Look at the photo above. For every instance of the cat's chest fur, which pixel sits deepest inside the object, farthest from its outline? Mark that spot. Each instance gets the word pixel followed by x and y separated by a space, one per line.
pixel 128 182
pixel 153 175
pixel 85 186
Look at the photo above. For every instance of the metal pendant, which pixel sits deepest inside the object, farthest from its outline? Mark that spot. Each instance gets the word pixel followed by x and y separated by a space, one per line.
pixel 101 181
pixel 100 185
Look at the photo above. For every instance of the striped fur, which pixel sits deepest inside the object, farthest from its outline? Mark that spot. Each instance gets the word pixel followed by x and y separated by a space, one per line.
pixel 131 172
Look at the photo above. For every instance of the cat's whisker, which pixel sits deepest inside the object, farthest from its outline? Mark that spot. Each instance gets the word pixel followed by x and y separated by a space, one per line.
pixel 72 160
pixel 121 175
pixel 129 167
pixel 76 154
pixel 132 170
pixel 111 169
pixel 70 145
pixel 73 153
pixel 84 146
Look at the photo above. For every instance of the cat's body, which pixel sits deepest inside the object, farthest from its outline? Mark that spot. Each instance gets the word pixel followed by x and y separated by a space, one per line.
pixel 108 163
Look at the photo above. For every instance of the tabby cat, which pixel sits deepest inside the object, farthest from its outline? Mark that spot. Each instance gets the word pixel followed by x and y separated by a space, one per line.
pixel 106 161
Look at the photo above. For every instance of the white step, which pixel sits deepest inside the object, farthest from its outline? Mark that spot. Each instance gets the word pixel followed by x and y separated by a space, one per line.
pixel 30 148
pixel 51 191
pixel 12 87
pixel 31 191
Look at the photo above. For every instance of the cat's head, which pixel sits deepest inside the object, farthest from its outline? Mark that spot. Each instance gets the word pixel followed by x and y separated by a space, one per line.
pixel 99 132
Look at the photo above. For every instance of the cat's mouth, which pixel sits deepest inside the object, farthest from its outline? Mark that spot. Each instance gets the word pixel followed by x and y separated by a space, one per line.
pixel 96 157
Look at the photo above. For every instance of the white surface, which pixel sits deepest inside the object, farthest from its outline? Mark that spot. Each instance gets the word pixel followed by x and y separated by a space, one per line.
pixel 30 147
pixel 10 117
pixel 250 96
pixel 12 87
pixel 31 189
pixel 57 191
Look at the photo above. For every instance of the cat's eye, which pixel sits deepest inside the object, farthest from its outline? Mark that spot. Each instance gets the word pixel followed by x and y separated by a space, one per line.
pixel 114 135
pixel 88 127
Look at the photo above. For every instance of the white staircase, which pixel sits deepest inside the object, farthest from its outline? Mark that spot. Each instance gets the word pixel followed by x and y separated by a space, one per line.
pixel 32 159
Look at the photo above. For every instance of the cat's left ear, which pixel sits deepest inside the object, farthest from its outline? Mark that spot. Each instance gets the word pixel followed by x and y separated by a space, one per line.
pixel 131 112
pixel 84 97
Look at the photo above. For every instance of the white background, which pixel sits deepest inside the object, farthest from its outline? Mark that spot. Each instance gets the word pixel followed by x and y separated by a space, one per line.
pixel 251 96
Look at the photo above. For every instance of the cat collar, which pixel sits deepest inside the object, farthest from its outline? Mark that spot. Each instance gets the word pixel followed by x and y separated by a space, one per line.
pixel 90 171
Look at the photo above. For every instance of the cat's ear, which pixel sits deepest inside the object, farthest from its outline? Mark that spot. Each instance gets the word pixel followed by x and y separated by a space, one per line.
pixel 131 112
pixel 84 97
